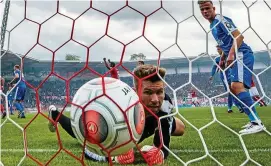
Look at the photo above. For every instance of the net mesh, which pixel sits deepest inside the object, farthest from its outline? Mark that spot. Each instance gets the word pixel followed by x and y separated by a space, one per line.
pixel 146 35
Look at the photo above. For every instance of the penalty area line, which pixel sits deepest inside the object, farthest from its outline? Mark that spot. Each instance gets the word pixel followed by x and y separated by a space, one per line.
pixel 173 150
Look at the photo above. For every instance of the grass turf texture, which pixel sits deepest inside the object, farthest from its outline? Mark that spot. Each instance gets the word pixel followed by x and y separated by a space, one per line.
pixel 222 144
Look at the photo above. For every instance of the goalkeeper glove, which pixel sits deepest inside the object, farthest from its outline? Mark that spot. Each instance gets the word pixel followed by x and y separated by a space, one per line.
pixel 126 158
pixel 153 155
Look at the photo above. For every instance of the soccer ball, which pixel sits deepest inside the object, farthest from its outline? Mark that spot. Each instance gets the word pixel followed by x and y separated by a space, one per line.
pixel 104 120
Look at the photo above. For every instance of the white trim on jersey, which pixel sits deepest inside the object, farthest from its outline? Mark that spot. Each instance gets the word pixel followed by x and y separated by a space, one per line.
pixel 240 68
pixel 166 107
pixel 16 92
pixel 253 91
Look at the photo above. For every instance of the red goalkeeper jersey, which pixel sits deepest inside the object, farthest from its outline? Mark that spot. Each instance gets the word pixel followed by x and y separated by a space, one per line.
pixel 193 94
pixel 114 73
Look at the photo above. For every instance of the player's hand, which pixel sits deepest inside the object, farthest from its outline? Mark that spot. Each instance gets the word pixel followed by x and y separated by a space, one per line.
pixel 126 158
pixel 153 155
pixel 230 58
pixel 109 60
pixel 222 64
pixel 104 59
pixel 211 78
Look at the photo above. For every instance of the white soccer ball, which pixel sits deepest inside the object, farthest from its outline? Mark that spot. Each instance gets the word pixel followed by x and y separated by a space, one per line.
pixel 104 120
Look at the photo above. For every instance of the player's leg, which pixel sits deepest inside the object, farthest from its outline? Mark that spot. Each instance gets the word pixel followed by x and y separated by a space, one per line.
pixel 19 95
pixel 241 79
pixel 257 99
pixel 194 104
pixel 63 120
pixel 17 105
pixel 10 107
pixel 23 91
pixel 230 103
pixel 22 109
pixel 256 96
pixel 238 104
pixel 4 114
pixel 194 101
pixel 65 123
pixel 198 103
pixel 230 98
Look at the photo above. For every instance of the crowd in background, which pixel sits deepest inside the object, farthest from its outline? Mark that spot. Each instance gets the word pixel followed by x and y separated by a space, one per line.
pixel 55 90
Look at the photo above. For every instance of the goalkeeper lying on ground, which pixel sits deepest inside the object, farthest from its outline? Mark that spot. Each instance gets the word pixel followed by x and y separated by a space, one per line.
pixel 154 97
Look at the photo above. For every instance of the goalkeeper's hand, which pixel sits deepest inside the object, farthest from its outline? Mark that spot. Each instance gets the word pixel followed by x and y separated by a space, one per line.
pixel 153 155
pixel 126 158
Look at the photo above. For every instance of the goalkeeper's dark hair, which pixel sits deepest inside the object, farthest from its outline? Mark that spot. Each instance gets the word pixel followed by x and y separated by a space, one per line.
pixel 144 71
pixel 204 1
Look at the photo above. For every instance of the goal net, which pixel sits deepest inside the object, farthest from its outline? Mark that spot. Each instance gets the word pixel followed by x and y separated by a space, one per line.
pixel 60 45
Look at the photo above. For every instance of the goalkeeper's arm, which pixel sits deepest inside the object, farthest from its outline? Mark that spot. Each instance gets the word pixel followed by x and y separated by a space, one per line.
pixel 166 133
pixel 153 154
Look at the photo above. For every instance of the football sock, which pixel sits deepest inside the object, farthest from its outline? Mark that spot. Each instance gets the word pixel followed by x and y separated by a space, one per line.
pixel 247 100
pixel 230 102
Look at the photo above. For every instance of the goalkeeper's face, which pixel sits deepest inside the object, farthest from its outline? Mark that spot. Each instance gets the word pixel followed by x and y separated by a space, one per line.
pixel 153 94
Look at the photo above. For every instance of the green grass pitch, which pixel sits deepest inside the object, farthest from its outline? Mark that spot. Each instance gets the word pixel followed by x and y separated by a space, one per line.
pixel 221 143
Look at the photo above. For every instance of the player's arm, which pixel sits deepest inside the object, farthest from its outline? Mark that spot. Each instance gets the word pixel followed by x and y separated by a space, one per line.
pixel 106 64
pixel 222 60
pixel 165 126
pixel 229 27
pixel 153 154
pixel 239 40
pixel 16 77
pixel 213 71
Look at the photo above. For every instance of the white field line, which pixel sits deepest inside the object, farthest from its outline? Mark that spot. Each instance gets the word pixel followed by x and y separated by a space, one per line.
pixel 264 150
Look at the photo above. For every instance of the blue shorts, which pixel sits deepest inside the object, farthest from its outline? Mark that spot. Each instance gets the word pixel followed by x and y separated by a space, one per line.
pixel 19 93
pixel 228 77
pixel 240 73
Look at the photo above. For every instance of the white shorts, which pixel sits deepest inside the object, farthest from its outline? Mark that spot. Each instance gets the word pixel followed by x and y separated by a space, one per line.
pixel 253 91
pixel 194 99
